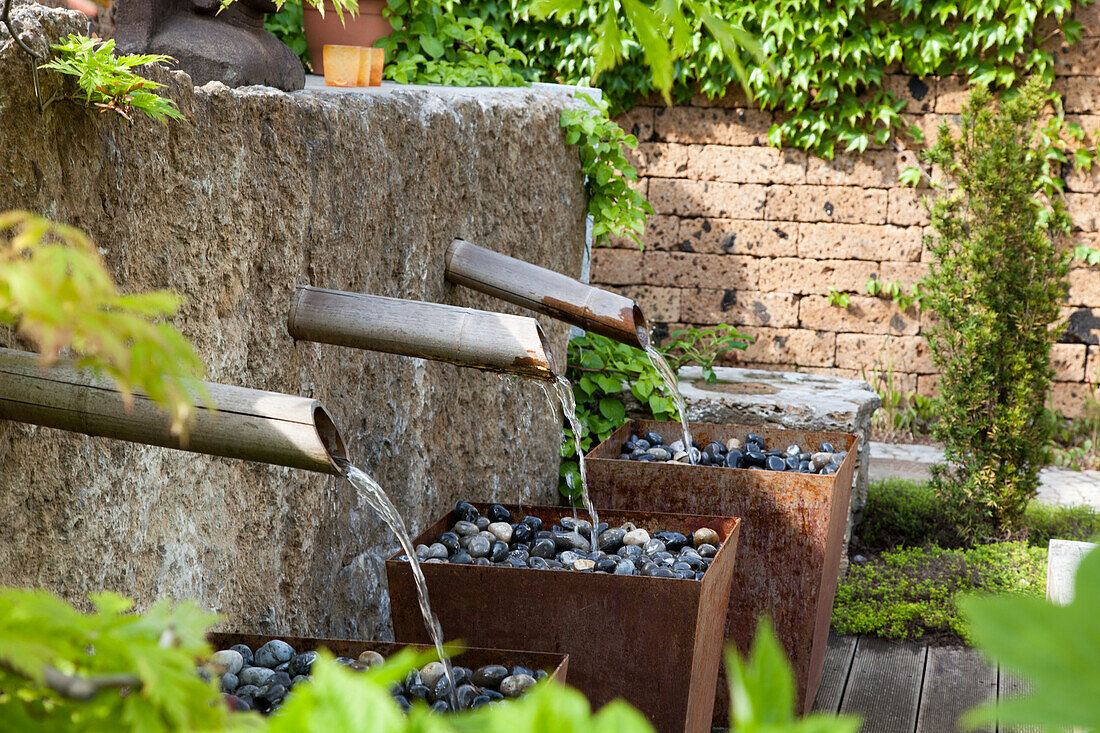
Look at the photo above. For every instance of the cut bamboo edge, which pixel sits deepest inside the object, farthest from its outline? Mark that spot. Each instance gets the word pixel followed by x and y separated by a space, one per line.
pixel 234 422
pixel 484 340
pixel 548 292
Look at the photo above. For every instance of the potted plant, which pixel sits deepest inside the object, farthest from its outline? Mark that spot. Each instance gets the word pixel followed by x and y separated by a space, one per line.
pixel 361 29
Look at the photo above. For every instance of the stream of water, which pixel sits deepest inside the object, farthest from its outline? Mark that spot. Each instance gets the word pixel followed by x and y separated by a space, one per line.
pixel 369 490
pixel 564 388
pixel 672 387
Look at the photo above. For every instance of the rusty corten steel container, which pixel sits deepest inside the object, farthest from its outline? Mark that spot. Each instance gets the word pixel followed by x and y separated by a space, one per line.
pixel 655 642
pixel 791 537
pixel 555 664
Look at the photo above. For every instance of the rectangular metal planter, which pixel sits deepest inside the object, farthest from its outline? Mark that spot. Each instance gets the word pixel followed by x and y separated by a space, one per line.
pixel 655 642
pixel 556 664
pixel 791 538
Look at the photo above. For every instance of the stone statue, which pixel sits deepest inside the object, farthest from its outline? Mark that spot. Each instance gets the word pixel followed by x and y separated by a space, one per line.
pixel 230 46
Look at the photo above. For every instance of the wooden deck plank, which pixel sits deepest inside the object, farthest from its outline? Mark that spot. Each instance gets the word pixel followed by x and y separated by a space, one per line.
pixel 1008 687
pixel 884 685
pixel 955 679
pixel 834 675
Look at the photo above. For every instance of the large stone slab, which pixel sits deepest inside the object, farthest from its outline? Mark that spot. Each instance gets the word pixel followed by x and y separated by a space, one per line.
pixel 1063 557
pixel 790 400
pixel 257 191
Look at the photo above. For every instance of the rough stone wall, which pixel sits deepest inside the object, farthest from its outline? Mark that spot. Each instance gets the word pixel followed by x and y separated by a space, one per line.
pixel 754 236
pixel 256 192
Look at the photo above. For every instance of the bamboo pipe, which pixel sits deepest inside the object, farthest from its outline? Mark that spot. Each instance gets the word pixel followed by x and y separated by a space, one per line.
pixel 480 339
pixel 546 291
pixel 242 423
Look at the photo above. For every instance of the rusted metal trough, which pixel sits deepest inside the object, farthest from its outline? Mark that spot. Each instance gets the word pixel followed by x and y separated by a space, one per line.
pixel 791 538
pixel 655 642
pixel 557 665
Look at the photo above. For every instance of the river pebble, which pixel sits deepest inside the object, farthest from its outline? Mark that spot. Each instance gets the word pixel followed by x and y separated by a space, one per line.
pixel 752 452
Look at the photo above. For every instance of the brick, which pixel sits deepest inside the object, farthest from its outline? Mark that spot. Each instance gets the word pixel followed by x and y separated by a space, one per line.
pixel 1092 365
pixel 951 94
pixel 1080 59
pixel 738 237
pixel 714 125
pixel 1079 181
pixel 739 307
pixel 638 122
pixel 1084 208
pixel 859 242
pixel 1082 325
pixel 1089 15
pixel 929 125
pixel 918 94
pixel 746 164
pixel 833 372
pixel 663 160
pixel 906 208
pixel 1079 93
pixel 1068 361
pixel 928 385
pixel 615 266
pixel 864 314
pixel 872 169
pixel 905 273
pixel 1071 398
pixel 796 346
pixel 805 276
pixel 927 232
pixel 685 270
pixel 827 203
pixel 1089 123
pixel 658 304
pixel 883 353
pixel 734 96
pixel 883 380
pixel 1084 287
pixel 707 198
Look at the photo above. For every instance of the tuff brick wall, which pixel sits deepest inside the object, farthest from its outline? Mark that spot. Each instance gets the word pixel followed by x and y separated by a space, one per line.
pixel 754 236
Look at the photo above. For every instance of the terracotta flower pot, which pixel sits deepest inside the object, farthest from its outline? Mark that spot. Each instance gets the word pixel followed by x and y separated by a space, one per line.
pixel 362 30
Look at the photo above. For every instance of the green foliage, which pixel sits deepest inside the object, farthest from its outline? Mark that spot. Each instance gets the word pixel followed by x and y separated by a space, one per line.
pixel 994 286
pixel 438 42
pixel 287 25
pixel 762 692
pixel 827 65
pixel 601 370
pixel 902 513
pixel 136 671
pixel 614 206
pixel 1053 647
pixel 1075 442
pixel 911 592
pixel 838 298
pixel 902 413
pixel 895 292
pixel 108 82
pixel 55 290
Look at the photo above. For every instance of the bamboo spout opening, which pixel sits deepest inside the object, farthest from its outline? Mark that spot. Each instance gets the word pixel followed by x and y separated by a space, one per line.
pixel 546 291
pixel 329 435
pixel 479 339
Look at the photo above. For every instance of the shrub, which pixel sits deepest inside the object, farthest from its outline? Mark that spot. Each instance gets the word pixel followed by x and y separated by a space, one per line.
pixel 994 288
pixel 902 513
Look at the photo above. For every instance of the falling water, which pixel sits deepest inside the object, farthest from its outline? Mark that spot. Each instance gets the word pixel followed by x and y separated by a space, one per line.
pixel 569 406
pixel 673 389
pixel 367 488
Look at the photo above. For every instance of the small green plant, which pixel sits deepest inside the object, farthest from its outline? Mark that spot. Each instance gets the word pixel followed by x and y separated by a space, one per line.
pixel 838 298
pixel 615 207
pixel 55 291
pixel 902 414
pixel 603 370
pixel 1075 442
pixel 995 285
pixel 1049 645
pixel 438 42
pixel 107 81
pixel 895 292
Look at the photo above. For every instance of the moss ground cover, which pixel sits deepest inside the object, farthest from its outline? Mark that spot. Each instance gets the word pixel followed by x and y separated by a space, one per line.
pixel 917 565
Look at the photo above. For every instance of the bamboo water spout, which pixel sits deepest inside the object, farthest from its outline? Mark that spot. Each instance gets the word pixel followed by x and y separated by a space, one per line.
pixel 545 291
pixel 242 423
pixel 464 336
